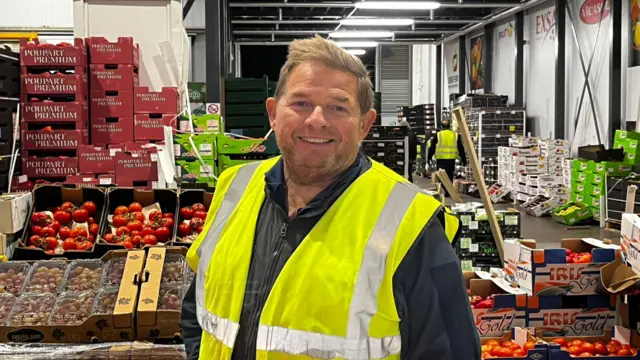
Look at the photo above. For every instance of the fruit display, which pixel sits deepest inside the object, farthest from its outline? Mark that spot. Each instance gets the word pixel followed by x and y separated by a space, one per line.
pixel 83 275
pixel 105 301
pixel 478 302
pixel 170 298
pixel 578 257
pixel 135 227
pixel 191 222
pixel 64 228
pixel 32 310
pixel 46 277
pixel 506 349
pixel 173 270
pixel 6 303
pixel 113 271
pixel 572 214
pixel 12 276
pixel 72 308
pixel 584 348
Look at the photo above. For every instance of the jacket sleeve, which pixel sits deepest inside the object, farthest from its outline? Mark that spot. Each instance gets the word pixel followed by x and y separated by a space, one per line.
pixel 433 305
pixel 191 331
pixel 461 152
pixel 432 147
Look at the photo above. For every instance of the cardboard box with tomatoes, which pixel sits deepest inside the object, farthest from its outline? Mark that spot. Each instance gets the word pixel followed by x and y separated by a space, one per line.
pixel 62 222
pixel 194 205
pixel 515 344
pixel 617 343
pixel 138 218
pixel 62 301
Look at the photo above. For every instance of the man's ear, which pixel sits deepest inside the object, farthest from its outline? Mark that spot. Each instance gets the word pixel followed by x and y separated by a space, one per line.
pixel 272 106
pixel 367 121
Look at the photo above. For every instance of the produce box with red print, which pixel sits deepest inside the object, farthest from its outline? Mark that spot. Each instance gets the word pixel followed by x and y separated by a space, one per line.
pixel 91 180
pixel 96 160
pixel 49 167
pixel 58 83
pixel 496 306
pixel 80 301
pixel 138 218
pixel 571 315
pixel 63 222
pixel 132 167
pixel 618 343
pixel 123 51
pixel 113 77
pixel 51 138
pixel 162 102
pixel 111 104
pixel 62 55
pixel 35 109
pixel 572 270
pixel 194 205
pixel 515 344
pixel 111 130
pixel 151 126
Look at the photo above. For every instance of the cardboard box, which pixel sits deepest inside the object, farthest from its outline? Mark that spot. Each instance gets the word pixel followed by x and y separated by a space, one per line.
pixel 96 160
pixel 118 326
pixel 113 77
pixel 135 167
pixel 193 171
pixel 153 322
pixel 107 104
pixel 150 127
pixel 123 51
pixel 539 205
pixel 162 102
pixel 230 146
pixel 203 123
pixel 36 54
pixel 49 167
pixel 14 209
pixel 519 336
pixel 571 316
pixel 53 112
pixel 90 180
pixel 521 141
pixel 58 84
pixel 54 139
pixel 556 191
pixel 205 146
pixel 619 333
pixel 188 198
pixel 580 212
pixel 545 272
pixel 111 130
pixel 630 240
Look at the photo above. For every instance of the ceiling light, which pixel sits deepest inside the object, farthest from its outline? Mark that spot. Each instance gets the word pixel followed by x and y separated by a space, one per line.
pixel 361 34
pixel 356 52
pixel 377 22
pixel 398 5
pixel 358 44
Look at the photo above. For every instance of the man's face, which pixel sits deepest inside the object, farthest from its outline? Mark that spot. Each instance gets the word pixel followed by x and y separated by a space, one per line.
pixel 317 120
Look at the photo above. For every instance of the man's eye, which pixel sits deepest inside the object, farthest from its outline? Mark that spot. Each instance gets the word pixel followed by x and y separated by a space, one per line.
pixel 340 108
pixel 301 104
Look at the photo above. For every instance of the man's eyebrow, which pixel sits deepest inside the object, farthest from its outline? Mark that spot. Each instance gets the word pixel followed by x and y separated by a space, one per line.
pixel 299 94
pixel 342 99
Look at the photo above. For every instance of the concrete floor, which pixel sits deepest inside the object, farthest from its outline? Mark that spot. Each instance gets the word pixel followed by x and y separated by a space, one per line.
pixel 544 230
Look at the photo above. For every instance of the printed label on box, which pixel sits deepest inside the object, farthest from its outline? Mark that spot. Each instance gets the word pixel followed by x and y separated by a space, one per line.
pixel 572 322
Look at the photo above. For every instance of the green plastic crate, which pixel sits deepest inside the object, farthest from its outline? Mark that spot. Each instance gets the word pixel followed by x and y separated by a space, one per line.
pixel 205 145
pixel 245 109
pixel 193 171
pixel 231 146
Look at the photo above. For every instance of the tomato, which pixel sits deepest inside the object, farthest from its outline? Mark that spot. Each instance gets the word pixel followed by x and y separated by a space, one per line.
pixel 134 225
pixel 196 223
pixel 167 222
pixel 147 231
pixel 69 244
pixel 155 215
pixel 584 259
pixel 39 219
pixel 35 240
pixel 186 213
pixel 79 232
pixel 150 240
pixel 623 351
pixel 121 210
pixel 200 214
pixel 91 238
pixel 135 207
pixel 109 238
pixel 198 207
pixel 495 350
pixel 574 350
pixel 486 355
pixel 485 348
pixel 64 232
pixel 529 345
pixel 50 252
pixel 80 215
pixel 36 230
pixel 123 230
pixel 67 206
pixel 137 216
pixel 586 354
pixel 199 229
pixel 84 245
pixel 614 342
pixel 519 352
pixel 93 229
pixel 492 343
pixel 612 349
pixel 48 231
pixel 127 244
pixel 163 234
pixel 600 349
pixel 124 238
pixel 119 220
pixel 135 233
pixel 136 240
pixel 507 344
pixel 62 217
pixel 505 352
pixel 577 343
pixel 51 243
pixel 167 216
pixel 91 220
pixel 184 229
pixel 90 206
pixel 587 347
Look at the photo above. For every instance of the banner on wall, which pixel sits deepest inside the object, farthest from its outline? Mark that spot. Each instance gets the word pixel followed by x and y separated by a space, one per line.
pixel 545 29
pixel 634 32
pixel 476 62
pixel 451 62
pixel 504 66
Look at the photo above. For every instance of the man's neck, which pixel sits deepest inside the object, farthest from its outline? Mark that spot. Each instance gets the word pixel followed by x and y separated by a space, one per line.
pixel 299 195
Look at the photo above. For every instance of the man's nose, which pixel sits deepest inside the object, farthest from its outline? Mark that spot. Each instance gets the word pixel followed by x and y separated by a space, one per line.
pixel 317 118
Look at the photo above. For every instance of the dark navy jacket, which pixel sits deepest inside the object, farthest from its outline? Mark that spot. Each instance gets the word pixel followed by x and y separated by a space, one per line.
pixel 429 291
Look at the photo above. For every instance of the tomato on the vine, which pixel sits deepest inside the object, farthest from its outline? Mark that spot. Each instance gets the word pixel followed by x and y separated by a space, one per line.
pixel 79 232
pixel 162 234
pixel 48 231
pixel 62 217
pixel 122 230
pixel 184 229
pixel 69 244
pixel 51 243
pixel 67 206
pixel 150 240
pixel 135 207
pixel 121 210
pixel 119 220
pixel 186 213
pixel 134 225
pixel 64 232
pixel 155 215
pixel 93 229
pixel 198 207
pixel 90 206
pixel 80 215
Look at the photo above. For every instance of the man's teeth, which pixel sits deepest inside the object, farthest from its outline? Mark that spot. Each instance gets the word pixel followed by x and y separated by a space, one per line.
pixel 316 141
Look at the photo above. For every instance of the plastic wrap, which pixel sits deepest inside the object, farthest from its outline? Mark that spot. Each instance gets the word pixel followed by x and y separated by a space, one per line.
pixel 45 277
pixel 174 269
pixel 112 273
pixel 105 301
pixel 13 276
pixel 83 275
pixel 72 308
pixel 111 351
pixel 32 310
pixel 6 304
pixel 170 297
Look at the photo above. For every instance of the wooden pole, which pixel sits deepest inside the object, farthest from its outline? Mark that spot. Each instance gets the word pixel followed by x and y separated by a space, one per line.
pixel 458 115
pixel 446 182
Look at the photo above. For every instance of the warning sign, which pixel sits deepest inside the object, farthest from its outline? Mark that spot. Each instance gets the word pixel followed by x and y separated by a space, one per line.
pixel 213 108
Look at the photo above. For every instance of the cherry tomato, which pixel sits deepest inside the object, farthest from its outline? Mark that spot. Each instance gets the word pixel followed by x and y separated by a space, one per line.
pixel 121 210
pixel 150 240
pixel 134 225
pixel 91 220
pixel 62 217
pixel 93 229
pixel 119 220
pixel 198 207
pixel 48 231
pixel 184 229
pixel 90 206
pixel 67 206
pixel 80 215
pixel 163 234
pixel 186 213
pixel 64 232
pixel 51 243
pixel 122 230
pixel 135 207
pixel 200 214
pixel 69 244
pixel 109 238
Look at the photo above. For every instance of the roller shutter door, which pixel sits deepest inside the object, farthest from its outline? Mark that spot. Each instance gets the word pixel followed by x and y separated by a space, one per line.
pixel 395 80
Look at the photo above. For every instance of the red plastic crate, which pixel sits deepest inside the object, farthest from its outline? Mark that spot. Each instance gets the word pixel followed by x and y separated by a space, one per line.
pixel 113 77
pixel 96 160
pixel 111 130
pixel 34 54
pixel 151 126
pixel 49 167
pixel 48 84
pixel 135 167
pixel 162 102
pixel 54 139
pixel 123 51
pixel 111 104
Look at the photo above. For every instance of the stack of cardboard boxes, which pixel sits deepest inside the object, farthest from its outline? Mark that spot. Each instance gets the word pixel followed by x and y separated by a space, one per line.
pixel 628 140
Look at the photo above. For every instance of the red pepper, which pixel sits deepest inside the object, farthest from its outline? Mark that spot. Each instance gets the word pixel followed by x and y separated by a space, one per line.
pixel 486 304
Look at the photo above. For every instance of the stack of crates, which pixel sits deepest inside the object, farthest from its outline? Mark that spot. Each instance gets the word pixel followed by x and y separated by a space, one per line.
pixel 421 118
pixel 244 106
pixel 9 95
pixel 195 159
pixel 233 151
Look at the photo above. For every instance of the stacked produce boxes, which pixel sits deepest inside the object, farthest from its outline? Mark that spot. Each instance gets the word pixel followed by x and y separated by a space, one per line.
pixel 421 118
pixel 628 140
pixel 245 109
pixel 388 145
pixel 196 155
pixel 153 111
pixel 518 161
pixel 233 151
pixel 9 96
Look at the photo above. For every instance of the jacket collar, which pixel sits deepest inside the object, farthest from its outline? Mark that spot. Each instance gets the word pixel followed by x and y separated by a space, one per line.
pixel 276 188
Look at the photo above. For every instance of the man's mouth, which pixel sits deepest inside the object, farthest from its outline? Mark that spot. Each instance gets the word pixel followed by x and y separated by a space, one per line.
pixel 313 140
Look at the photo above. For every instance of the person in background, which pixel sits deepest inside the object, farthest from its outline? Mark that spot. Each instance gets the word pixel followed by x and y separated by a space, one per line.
pixel 413 146
pixel 446 147
pixel 322 253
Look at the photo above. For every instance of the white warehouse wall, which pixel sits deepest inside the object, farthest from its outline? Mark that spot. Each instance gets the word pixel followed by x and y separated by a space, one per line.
pixel 36 13
pixel 424 74
pixel 504 58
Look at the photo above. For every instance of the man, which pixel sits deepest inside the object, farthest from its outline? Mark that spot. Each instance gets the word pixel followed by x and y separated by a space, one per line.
pixel 413 146
pixel 446 147
pixel 322 253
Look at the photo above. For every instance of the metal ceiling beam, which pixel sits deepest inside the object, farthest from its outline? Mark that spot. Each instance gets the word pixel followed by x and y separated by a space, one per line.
pixel 331 21
pixel 312 32
pixel 286 43
pixel 454 5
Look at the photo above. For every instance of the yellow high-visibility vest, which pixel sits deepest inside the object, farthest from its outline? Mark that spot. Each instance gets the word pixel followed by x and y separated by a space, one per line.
pixel 334 297
pixel 447 146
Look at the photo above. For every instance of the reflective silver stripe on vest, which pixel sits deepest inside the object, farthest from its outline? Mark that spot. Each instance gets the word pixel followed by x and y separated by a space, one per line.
pixel 357 344
pixel 222 329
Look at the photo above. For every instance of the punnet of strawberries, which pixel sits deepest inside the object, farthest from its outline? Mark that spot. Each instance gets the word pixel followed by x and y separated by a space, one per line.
pixel 193 218
pixel 64 228
pixel 135 227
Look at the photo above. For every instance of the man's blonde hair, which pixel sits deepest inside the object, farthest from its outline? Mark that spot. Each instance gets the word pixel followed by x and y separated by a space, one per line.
pixel 329 54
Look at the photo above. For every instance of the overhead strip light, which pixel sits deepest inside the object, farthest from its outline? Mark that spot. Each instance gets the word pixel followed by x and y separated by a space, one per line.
pixel 398 5
pixel 356 52
pixel 360 34
pixel 357 44
pixel 377 22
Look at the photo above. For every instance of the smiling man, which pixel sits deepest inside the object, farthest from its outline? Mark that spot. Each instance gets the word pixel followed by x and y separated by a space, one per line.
pixel 322 253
